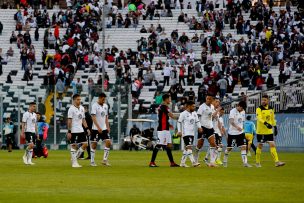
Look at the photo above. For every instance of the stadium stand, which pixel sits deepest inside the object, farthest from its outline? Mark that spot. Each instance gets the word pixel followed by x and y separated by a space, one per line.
pixel 236 42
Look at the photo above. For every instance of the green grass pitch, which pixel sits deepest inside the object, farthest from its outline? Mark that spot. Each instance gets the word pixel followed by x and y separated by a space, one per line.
pixel 129 179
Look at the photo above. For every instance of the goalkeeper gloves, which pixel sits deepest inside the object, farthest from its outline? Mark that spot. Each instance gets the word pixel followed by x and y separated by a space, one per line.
pixel 268 125
pixel 275 132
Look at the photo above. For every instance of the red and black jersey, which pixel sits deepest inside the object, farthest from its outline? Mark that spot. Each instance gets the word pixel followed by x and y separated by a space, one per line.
pixel 163 117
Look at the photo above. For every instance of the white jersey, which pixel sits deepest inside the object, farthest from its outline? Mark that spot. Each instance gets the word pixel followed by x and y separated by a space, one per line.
pixel 215 123
pixel 77 115
pixel 205 112
pixel 30 120
pixel 187 123
pixel 101 113
pixel 238 119
pixel 221 122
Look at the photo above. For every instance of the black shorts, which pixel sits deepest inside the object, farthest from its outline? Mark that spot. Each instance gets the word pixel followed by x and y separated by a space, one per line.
pixel 265 138
pixel 78 138
pixel 96 136
pixel 30 137
pixel 218 139
pixel 188 140
pixel 236 140
pixel 10 138
pixel 206 133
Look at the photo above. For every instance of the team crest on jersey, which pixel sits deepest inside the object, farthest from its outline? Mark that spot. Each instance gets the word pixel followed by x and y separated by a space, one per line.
pixel 191 121
pixel 102 113
pixel 33 120
pixel 79 116
pixel 240 120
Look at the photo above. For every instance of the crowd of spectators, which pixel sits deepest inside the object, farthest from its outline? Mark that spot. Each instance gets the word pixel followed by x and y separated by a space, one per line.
pixel 269 40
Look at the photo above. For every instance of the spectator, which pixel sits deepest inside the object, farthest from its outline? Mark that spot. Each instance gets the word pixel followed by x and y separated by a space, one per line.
pixel 41 106
pixel 13 37
pixel 167 74
pixel 8 132
pixel 51 41
pixel 10 52
pixel 222 83
pixel 23 59
pixel 9 78
pixel 191 95
pixel 158 98
pixel 270 81
pixel 1 28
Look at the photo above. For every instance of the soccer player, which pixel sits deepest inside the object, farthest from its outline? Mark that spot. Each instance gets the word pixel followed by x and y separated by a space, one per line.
pixel 29 131
pixel 236 134
pixel 217 126
pixel 187 123
pixel 76 134
pixel 206 113
pixel 163 132
pixel 100 129
pixel 220 131
pixel 266 130
pixel 249 130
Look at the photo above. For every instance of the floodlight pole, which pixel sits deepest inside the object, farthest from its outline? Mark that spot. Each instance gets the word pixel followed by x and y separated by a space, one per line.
pixel 103 45
pixel 1 120
pixel 118 118
pixel 55 117
pixel 19 117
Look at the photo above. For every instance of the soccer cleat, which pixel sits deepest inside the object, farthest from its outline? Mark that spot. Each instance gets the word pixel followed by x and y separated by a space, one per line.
pixel 76 165
pixel 258 165
pixel 218 162
pixel 184 165
pixel 279 163
pixel 25 159
pixel 152 165
pixel 225 164
pixel 93 164
pixel 247 165
pixel 31 163
pixel 212 165
pixel 196 164
pixel 206 160
pixel 105 163
pixel 174 165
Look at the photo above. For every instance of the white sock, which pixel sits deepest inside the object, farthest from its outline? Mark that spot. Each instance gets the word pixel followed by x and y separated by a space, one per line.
pixel 208 153
pixel 93 155
pixel 213 154
pixel 219 152
pixel 29 155
pixel 190 155
pixel 79 152
pixel 106 153
pixel 198 151
pixel 184 157
pixel 73 155
pixel 244 156
pixel 226 156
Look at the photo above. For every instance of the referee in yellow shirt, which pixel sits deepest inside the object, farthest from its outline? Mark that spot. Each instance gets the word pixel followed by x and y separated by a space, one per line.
pixel 266 130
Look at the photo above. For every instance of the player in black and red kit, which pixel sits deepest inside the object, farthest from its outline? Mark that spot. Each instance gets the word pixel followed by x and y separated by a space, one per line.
pixel 163 132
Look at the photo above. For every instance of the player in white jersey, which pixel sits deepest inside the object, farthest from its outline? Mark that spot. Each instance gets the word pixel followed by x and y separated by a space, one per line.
pixel 76 134
pixel 217 132
pixel 236 136
pixel 100 129
pixel 222 132
pixel 187 123
pixel 29 131
pixel 206 113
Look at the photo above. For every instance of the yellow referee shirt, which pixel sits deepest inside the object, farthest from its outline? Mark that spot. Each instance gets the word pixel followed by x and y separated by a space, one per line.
pixel 265 114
